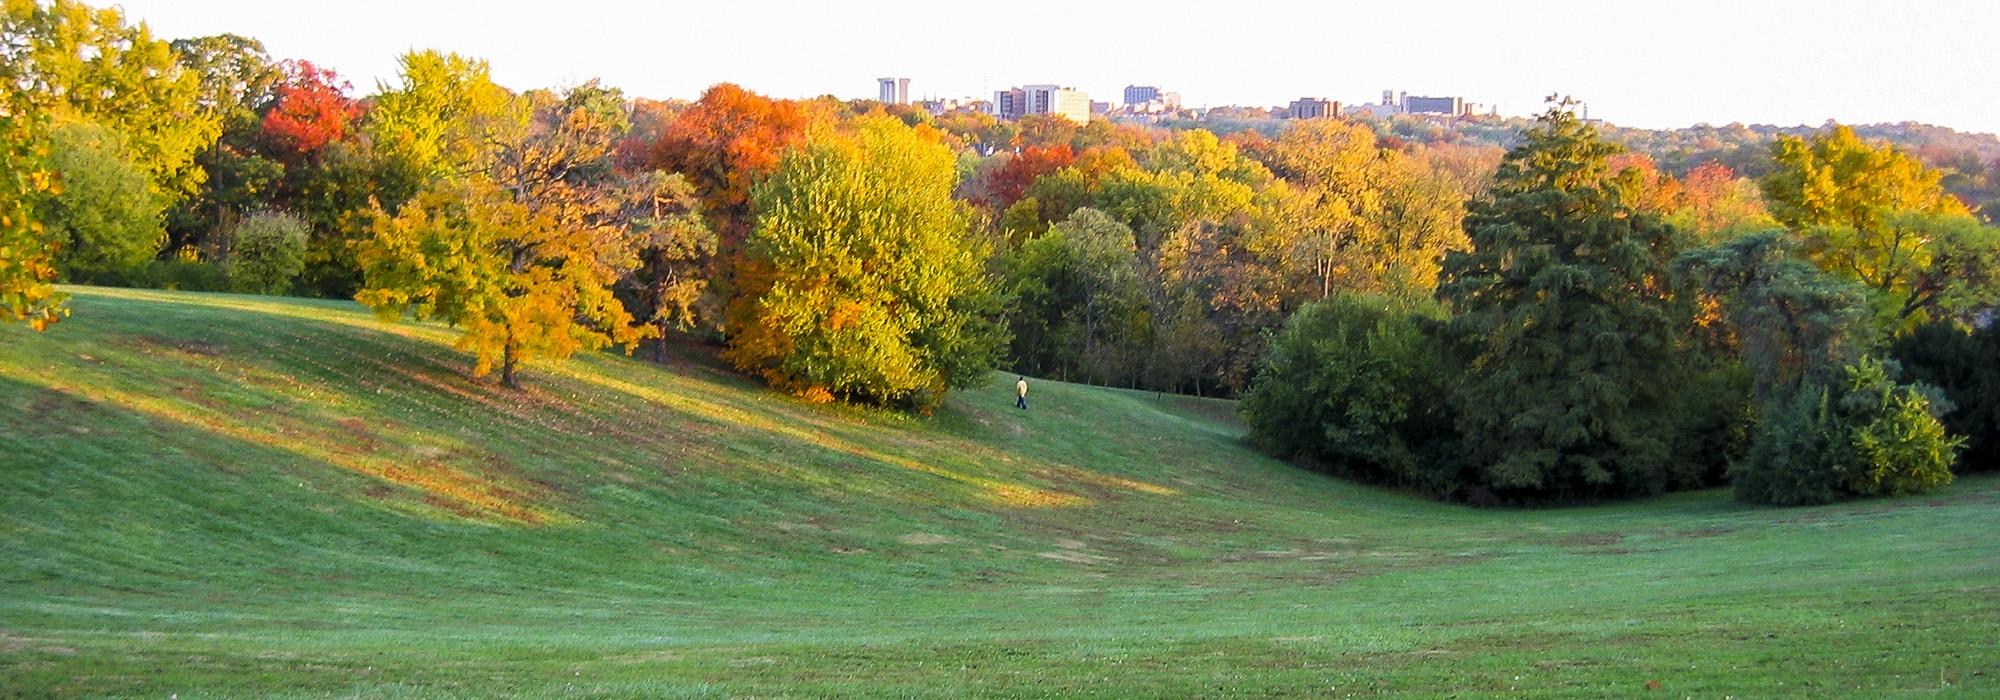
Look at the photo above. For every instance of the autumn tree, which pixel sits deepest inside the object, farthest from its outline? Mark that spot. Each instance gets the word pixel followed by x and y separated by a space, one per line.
pixel 861 280
pixel 503 244
pixel 27 248
pixel 1568 325
pixel 1880 217
pixel 1081 305
pixel 310 109
pixel 725 143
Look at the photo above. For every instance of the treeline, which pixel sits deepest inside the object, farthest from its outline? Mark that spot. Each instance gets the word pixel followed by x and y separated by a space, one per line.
pixel 1614 331
pixel 1398 300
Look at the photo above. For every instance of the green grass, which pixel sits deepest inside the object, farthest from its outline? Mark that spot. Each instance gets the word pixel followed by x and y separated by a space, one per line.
pixel 224 496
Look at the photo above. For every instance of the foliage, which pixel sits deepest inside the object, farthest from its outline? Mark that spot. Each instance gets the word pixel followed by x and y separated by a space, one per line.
pixel 860 278
pixel 310 109
pixel 1865 436
pixel 106 216
pixel 28 248
pixel 1965 366
pixel 267 252
pixel 1881 217
pixel 1569 325
pixel 78 63
pixel 675 248
pixel 1792 324
pixel 446 118
pixel 1797 454
pixel 1899 446
pixel 521 258
pixel 1080 302
pixel 1353 383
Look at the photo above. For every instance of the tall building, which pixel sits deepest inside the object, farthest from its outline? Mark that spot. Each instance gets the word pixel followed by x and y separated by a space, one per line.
pixel 1138 94
pixel 1068 103
pixel 893 91
pixel 1313 108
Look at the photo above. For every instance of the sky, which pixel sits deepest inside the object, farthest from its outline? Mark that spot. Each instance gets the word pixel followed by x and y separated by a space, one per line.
pixel 1651 64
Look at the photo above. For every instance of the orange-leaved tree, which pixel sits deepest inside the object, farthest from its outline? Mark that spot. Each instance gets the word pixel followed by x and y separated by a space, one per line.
pixel 511 249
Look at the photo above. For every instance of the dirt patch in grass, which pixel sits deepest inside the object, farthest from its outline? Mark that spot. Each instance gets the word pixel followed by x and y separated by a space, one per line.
pixel 923 538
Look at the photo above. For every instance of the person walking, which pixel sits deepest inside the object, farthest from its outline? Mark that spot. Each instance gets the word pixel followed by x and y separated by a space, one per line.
pixel 1021 393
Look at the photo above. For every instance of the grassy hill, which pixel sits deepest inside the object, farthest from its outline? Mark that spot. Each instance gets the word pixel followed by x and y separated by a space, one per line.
pixel 220 496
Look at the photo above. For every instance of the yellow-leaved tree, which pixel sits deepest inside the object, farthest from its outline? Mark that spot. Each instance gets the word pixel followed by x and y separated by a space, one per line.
pixel 504 242
pixel 862 280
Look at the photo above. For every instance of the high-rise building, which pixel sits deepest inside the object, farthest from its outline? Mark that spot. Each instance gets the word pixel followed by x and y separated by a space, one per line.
pixel 1313 108
pixel 1068 103
pixel 893 91
pixel 1139 94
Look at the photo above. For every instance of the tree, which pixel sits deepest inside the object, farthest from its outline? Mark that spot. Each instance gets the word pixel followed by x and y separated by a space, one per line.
pixel 447 118
pixel 1568 325
pixel 1717 202
pixel 1878 216
pixel 1358 216
pixel 861 280
pixel 520 256
pixel 1965 365
pixel 27 248
pixel 106 216
pixel 1793 324
pixel 725 143
pixel 1080 300
pixel 78 63
pixel 675 248
pixel 311 109
pixel 267 253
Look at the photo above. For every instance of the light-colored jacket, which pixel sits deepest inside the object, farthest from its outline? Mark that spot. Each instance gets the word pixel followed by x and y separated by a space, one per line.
pixel 1021 387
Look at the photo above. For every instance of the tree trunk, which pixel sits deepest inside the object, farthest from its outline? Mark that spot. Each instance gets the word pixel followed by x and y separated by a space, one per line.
pixel 507 364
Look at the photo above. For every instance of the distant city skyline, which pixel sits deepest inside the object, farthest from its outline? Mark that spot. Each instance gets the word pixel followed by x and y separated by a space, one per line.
pixel 1663 66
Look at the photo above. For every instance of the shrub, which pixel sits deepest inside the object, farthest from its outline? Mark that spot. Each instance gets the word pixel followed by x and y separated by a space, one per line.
pixel 182 275
pixel 268 252
pixel 1354 383
pixel 1877 437
pixel 1797 454
pixel 1899 447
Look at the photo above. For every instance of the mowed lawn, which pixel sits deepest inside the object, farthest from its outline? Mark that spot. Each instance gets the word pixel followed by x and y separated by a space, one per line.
pixel 224 496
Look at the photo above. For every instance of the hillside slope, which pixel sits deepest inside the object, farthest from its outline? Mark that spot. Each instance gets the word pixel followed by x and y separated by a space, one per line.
pixel 241 496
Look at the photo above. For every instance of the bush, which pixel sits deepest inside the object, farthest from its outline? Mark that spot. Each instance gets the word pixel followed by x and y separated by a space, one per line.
pixel 1797 454
pixel 1877 438
pixel 268 252
pixel 1965 366
pixel 1354 384
pixel 1899 446
pixel 182 275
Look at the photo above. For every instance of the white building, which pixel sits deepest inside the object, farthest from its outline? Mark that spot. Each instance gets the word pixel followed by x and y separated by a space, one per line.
pixel 1066 102
pixel 893 91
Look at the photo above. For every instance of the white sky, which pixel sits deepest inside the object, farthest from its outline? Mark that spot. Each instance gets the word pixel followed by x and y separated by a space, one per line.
pixel 1654 64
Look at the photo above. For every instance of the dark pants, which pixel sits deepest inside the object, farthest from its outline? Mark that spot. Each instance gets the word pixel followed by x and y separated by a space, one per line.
pixel 1021 402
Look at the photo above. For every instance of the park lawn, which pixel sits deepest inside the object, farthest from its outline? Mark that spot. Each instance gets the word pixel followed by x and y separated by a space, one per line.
pixel 229 496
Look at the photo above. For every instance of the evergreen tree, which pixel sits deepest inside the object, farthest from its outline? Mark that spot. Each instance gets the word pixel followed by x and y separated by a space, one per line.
pixel 1568 324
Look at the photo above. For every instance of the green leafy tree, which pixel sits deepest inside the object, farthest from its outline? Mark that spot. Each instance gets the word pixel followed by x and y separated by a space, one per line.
pixel 1568 322
pixel 1793 324
pixel 1080 300
pixel 861 280
pixel 106 216
pixel 267 252
pixel 676 247
pixel 1965 365
pixel 79 63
